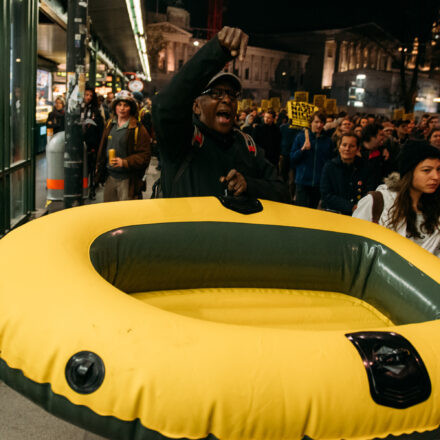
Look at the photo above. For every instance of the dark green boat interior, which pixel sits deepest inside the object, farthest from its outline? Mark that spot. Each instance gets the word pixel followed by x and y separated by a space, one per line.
pixel 197 255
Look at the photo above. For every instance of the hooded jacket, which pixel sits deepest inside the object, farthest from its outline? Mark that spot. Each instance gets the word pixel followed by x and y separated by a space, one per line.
pixel 174 126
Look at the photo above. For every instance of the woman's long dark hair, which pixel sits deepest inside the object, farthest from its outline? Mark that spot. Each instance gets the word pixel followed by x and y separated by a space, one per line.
pixel 403 212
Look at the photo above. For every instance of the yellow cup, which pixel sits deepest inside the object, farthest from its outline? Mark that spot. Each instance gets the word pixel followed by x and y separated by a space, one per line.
pixel 111 155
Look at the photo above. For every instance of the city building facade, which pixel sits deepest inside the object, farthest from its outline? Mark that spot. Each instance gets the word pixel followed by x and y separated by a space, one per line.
pixel 265 73
pixel 357 66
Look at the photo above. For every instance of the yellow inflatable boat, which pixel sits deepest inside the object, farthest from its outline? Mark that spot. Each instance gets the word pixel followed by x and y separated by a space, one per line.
pixel 171 319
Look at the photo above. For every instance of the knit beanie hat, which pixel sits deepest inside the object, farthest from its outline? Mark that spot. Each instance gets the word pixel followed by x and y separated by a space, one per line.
pixel 125 95
pixel 414 152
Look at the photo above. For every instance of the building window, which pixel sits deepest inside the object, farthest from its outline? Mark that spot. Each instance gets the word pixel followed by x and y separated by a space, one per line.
pixel 180 64
pixel 246 73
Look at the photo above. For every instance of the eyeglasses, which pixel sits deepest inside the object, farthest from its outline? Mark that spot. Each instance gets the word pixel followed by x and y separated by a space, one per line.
pixel 219 93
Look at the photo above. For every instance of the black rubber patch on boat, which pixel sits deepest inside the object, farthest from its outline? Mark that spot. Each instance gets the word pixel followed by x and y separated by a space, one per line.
pixel 242 205
pixel 397 375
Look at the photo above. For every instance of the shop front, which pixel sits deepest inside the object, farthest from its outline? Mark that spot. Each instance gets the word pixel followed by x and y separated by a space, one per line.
pixel 18 22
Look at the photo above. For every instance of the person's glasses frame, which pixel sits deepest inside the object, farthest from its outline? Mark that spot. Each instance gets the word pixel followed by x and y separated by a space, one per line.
pixel 219 93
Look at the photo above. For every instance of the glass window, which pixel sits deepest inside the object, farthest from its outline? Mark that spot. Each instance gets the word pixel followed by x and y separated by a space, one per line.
pixel 18 201
pixel 4 224
pixel 17 81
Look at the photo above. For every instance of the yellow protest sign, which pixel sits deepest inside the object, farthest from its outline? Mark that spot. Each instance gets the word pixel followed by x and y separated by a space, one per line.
pixel 300 112
pixel 330 106
pixel 246 103
pixel 275 104
pixel 398 113
pixel 301 97
pixel 320 101
pixel 408 116
pixel 265 104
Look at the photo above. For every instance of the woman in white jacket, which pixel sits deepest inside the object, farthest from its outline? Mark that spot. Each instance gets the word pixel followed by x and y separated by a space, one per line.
pixel 411 203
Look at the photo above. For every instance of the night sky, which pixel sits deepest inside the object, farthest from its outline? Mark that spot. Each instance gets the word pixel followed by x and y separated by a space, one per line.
pixel 286 16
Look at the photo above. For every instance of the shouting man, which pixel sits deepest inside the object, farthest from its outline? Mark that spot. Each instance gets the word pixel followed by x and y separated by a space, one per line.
pixel 202 152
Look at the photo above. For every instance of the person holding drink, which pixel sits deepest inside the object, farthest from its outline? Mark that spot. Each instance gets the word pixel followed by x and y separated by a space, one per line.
pixel 124 153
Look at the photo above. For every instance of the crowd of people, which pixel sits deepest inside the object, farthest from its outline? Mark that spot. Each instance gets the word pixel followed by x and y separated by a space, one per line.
pixel 365 165
pixel 120 122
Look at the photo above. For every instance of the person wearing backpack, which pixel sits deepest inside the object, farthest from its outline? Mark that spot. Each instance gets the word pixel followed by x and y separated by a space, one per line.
pixel 410 203
pixel 124 152
pixel 202 153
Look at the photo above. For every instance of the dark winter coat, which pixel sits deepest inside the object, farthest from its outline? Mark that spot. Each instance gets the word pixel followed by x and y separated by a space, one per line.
pixel 56 120
pixel 92 133
pixel 137 160
pixel 377 168
pixel 268 137
pixel 287 137
pixel 343 185
pixel 174 126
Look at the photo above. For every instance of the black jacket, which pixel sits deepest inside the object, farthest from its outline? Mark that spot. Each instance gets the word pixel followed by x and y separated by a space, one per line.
pixel 174 127
pixel 92 133
pixel 56 120
pixel 268 137
pixel 377 168
pixel 342 185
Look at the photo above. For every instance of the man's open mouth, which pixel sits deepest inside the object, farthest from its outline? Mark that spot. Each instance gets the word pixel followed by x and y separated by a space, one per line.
pixel 224 116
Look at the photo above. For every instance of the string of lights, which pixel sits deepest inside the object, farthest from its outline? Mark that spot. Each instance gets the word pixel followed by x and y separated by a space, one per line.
pixel 136 20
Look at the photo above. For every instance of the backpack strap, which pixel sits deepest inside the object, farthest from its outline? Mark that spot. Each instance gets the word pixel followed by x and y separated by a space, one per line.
pixel 198 139
pixel 249 141
pixel 109 122
pixel 378 204
pixel 136 134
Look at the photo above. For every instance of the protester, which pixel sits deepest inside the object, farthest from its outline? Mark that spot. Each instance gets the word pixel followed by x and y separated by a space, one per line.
pixel 101 107
pixel 308 156
pixel 421 130
pixel 122 175
pixel 358 131
pixel 343 181
pixel 372 139
pixel 432 122
pixel 434 137
pixel 268 137
pixel 92 128
pixel 363 121
pixel 411 204
pixel 402 131
pixel 56 118
pixel 107 104
pixel 345 126
pixel 248 126
pixel 288 135
pixel 241 118
pixel 145 117
pixel 194 118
